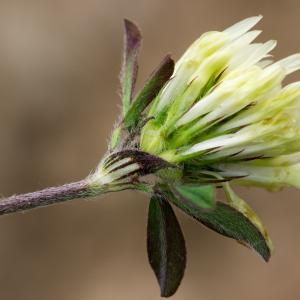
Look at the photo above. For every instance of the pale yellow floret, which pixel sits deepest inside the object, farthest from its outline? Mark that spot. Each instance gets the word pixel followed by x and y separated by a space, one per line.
pixel 273 173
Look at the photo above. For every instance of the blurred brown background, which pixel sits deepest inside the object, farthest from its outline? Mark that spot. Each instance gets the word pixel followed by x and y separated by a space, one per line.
pixel 59 65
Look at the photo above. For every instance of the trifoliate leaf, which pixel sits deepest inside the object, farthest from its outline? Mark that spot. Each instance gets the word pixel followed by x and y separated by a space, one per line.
pixel 227 221
pixel 132 43
pixel 203 196
pixel 166 246
pixel 150 90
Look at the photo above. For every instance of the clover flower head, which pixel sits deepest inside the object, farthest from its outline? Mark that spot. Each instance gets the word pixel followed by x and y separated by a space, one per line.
pixel 226 110
pixel 220 115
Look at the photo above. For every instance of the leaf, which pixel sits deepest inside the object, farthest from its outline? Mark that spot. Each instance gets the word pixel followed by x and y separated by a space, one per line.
pixel 150 90
pixel 204 195
pixel 243 207
pixel 166 246
pixel 227 221
pixel 132 43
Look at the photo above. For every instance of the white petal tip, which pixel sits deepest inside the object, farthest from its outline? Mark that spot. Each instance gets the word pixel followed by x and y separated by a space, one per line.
pixel 270 45
pixel 243 26
pixel 291 63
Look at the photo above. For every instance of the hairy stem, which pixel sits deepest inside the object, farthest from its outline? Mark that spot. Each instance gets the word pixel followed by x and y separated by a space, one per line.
pixel 45 197
pixel 119 171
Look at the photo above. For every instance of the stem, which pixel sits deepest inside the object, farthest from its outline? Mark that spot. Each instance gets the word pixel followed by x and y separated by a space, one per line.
pixel 45 197
pixel 119 171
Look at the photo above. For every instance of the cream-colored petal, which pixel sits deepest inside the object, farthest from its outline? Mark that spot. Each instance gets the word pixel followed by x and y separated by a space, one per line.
pixel 242 27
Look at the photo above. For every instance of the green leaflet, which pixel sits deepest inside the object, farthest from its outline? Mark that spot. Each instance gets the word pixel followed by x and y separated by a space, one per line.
pixel 133 108
pixel 225 220
pixel 132 43
pixel 242 206
pixel 166 246
pixel 150 90
pixel 203 196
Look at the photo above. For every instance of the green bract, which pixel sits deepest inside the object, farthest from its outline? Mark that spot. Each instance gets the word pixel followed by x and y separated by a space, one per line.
pixel 220 114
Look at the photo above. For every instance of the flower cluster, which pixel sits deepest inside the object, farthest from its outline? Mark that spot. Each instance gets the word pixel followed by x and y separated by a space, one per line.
pixel 220 115
pixel 226 109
